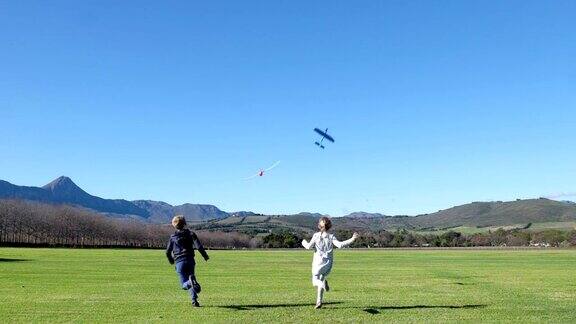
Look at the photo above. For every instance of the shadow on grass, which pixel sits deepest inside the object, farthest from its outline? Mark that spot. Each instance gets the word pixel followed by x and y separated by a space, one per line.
pixel 260 306
pixel 13 260
pixel 376 310
pixel 371 310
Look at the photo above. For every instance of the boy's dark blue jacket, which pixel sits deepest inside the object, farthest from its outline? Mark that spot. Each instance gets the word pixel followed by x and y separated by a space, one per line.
pixel 181 246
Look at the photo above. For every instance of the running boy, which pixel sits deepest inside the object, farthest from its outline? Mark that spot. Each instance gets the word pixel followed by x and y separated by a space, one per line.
pixel 323 259
pixel 180 250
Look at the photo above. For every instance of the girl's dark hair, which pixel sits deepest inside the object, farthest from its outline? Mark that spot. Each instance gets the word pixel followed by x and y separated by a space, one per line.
pixel 327 224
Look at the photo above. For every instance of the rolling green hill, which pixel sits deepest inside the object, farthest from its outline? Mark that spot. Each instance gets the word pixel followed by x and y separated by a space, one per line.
pixel 474 217
pixel 485 214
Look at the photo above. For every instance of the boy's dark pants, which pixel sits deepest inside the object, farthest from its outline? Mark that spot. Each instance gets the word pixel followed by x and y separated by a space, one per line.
pixel 185 269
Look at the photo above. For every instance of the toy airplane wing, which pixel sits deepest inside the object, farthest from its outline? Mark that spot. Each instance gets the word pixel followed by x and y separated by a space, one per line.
pixel 252 177
pixel 273 166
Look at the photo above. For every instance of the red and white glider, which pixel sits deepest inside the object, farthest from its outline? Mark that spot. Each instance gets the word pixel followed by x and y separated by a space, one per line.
pixel 263 171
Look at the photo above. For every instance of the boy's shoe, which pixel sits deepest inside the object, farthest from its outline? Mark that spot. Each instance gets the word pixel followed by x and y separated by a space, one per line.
pixel 326 287
pixel 318 306
pixel 195 303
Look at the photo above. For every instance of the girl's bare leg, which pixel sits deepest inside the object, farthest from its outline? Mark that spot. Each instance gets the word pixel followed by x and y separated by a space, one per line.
pixel 319 297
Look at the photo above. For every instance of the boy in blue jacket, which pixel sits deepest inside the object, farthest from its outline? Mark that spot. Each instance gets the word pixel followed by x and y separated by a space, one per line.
pixel 180 251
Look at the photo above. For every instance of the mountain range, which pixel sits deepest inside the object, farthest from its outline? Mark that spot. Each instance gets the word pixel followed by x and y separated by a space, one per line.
pixel 473 215
pixel 64 191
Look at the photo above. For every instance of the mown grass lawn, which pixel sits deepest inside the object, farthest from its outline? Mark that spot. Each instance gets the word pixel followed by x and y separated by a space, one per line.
pixel 104 285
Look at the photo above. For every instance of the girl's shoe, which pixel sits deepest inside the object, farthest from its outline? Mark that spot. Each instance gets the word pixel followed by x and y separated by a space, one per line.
pixel 326 287
pixel 195 303
pixel 318 306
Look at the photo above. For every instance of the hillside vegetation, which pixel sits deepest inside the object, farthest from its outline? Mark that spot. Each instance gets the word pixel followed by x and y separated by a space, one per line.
pixel 470 218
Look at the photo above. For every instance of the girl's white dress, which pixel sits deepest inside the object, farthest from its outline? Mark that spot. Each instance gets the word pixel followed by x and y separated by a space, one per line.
pixel 323 256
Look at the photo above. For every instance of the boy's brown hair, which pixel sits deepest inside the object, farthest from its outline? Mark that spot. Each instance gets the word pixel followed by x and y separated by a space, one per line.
pixel 324 224
pixel 178 222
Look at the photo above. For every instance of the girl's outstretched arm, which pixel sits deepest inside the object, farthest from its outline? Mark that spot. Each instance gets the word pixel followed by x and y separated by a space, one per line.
pixel 340 245
pixel 308 245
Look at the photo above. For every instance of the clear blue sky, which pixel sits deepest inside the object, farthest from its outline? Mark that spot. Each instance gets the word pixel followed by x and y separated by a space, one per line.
pixel 432 103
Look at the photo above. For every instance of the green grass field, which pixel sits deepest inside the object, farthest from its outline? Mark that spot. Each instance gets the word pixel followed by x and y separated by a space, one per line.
pixel 64 285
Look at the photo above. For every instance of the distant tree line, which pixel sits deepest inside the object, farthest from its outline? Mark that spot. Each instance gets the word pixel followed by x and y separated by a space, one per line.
pixel 34 224
pixel 500 237
pixel 404 238
pixel 282 239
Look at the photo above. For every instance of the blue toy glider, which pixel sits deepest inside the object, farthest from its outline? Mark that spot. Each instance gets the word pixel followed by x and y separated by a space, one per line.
pixel 324 135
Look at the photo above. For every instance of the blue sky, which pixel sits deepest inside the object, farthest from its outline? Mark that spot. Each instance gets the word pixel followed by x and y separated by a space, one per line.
pixel 432 103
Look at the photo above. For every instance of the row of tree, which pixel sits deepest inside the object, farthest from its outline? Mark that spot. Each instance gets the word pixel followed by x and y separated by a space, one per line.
pixel 500 237
pixel 404 238
pixel 35 224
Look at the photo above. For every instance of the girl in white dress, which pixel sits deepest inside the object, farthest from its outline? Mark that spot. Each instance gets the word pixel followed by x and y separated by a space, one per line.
pixel 324 243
